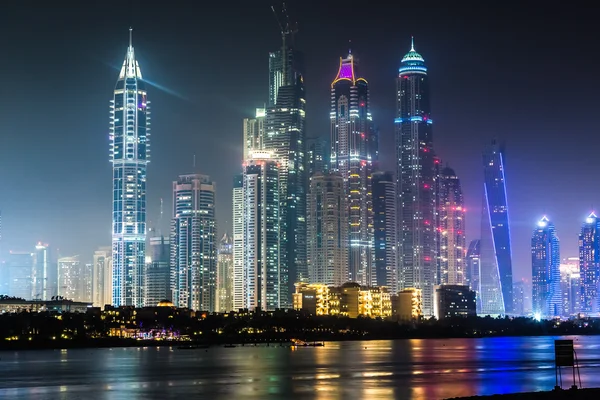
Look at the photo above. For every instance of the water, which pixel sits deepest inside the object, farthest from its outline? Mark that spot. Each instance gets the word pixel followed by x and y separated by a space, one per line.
pixel 401 369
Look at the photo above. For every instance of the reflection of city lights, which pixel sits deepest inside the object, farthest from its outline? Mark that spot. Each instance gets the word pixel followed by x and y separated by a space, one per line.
pixel 537 316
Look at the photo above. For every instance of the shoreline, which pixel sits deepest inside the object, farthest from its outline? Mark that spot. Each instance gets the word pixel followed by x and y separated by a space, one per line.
pixel 220 342
pixel 571 394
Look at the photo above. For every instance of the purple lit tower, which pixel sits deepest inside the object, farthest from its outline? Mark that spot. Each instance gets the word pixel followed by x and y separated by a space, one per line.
pixel 353 155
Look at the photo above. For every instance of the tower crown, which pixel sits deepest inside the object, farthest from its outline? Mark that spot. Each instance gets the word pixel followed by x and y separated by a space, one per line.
pixel 543 222
pixel 130 68
pixel 412 62
pixel 346 71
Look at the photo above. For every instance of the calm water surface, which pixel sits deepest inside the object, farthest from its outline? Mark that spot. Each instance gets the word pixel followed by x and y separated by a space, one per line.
pixel 400 369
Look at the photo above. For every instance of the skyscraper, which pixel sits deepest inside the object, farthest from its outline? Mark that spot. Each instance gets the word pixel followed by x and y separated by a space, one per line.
pixel 285 141
pixel 589 265
pixel 129 153
pixel 19 274
pixel 74 279
pixel 261 234
pixel 157 284
pixel 416 179
pixel 496 253
pixel 385 230
pixel 225 275
pixel 472 269
pixel 45 273
pixel 452 229
pixel 545 270
pixel 317 156
pixel 254 131
pixel 239 286
pixel 193 243
pixel 352 156
pixel 102 277
pixel 327 221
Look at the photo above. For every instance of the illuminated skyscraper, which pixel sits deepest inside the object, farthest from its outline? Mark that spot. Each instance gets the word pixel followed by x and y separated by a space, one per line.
pixel 129 153
pixel 19 274
pixel 352 156
pixel 261 234
pixel 496 254
pixel 385 230
pixel 102 277
pixel 225 275
pixel 317 156
pixel 45 273
pixel 239 287
pixel 589 265
pixel 452 229
pixel 285 140
pixel 545 270
pixel 193 243
pixel 254 131
pixel 416 179
pixel 74 279
pixel 157 283
pixel 327 219
pixel 472 270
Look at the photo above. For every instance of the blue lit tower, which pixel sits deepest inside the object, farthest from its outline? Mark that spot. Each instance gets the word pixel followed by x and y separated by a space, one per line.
pixel 352 156
pixel 589 264
pixel 129 153
pixel 416 179
pixel 545 270
pixel 496 254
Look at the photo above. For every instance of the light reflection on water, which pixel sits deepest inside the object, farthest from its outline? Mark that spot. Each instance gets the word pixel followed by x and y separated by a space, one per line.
pixel 412 369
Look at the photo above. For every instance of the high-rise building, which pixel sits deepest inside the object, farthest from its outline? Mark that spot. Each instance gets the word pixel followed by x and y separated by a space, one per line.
pixel 353 157
pixel 19 269
pixel 193 243
pixel 254 131
pixel 157 283
pixel 589 265
pixel 472 268
pixel 44 274
pixel 545 270
pixel 285 141
pixel 130 154
pixel 102 277
pixel 385 230
pixel 496 255
pixel 74 279
pixel 451 211
pixel 416 179
pixel 225 275
pixel 317 156
pixel 453 301
pixel 327 221
pixel 570 287
pixel 239 286
pixel 261 234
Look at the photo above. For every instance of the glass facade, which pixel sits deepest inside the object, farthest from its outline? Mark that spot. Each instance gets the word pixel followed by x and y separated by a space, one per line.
pixel 497 225
pixel 451 214
pixel 129 153
pixel 416 176
pixel 545 271
pixel 384 226
pixel 589 265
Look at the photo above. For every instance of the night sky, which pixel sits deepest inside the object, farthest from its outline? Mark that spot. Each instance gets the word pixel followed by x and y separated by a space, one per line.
pixel 526 75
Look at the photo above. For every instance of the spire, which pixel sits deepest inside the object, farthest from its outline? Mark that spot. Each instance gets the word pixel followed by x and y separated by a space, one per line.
pixel 349 46
pixel 412 62
pixel 412 43
pixel 130 68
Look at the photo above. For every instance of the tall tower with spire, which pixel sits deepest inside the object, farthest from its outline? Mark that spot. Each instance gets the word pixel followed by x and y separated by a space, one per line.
pixel 416 176
pixel 589 265
pixel 353 154
pixel 129 154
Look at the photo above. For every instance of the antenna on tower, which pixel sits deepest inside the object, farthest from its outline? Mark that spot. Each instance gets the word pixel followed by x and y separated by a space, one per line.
pixel 194 162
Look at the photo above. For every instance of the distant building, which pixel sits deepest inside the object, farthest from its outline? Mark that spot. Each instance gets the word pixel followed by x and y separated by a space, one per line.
pixel 385 231
pixel 74 279
pixel 589 266
pixel 349 300
pixel 44 274
pixel 254 131
pixel 19 266
pixel 317 156
pixel 455 301
pixel 102 277
pixel 545 270
pixel 327 222
pixel 193 243
pixel 225 275
pixel 451 211
pixel 158 273
pixel 472 270
pixel 53 306
pixel 408 305
pixel 570 286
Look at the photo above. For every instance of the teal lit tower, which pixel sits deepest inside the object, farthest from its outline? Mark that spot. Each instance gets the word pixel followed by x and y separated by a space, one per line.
pixel 589 265
pixel 416 177
pixel 129 155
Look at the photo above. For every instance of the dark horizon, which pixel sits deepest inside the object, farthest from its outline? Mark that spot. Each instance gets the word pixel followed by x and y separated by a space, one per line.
pixel 523 74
